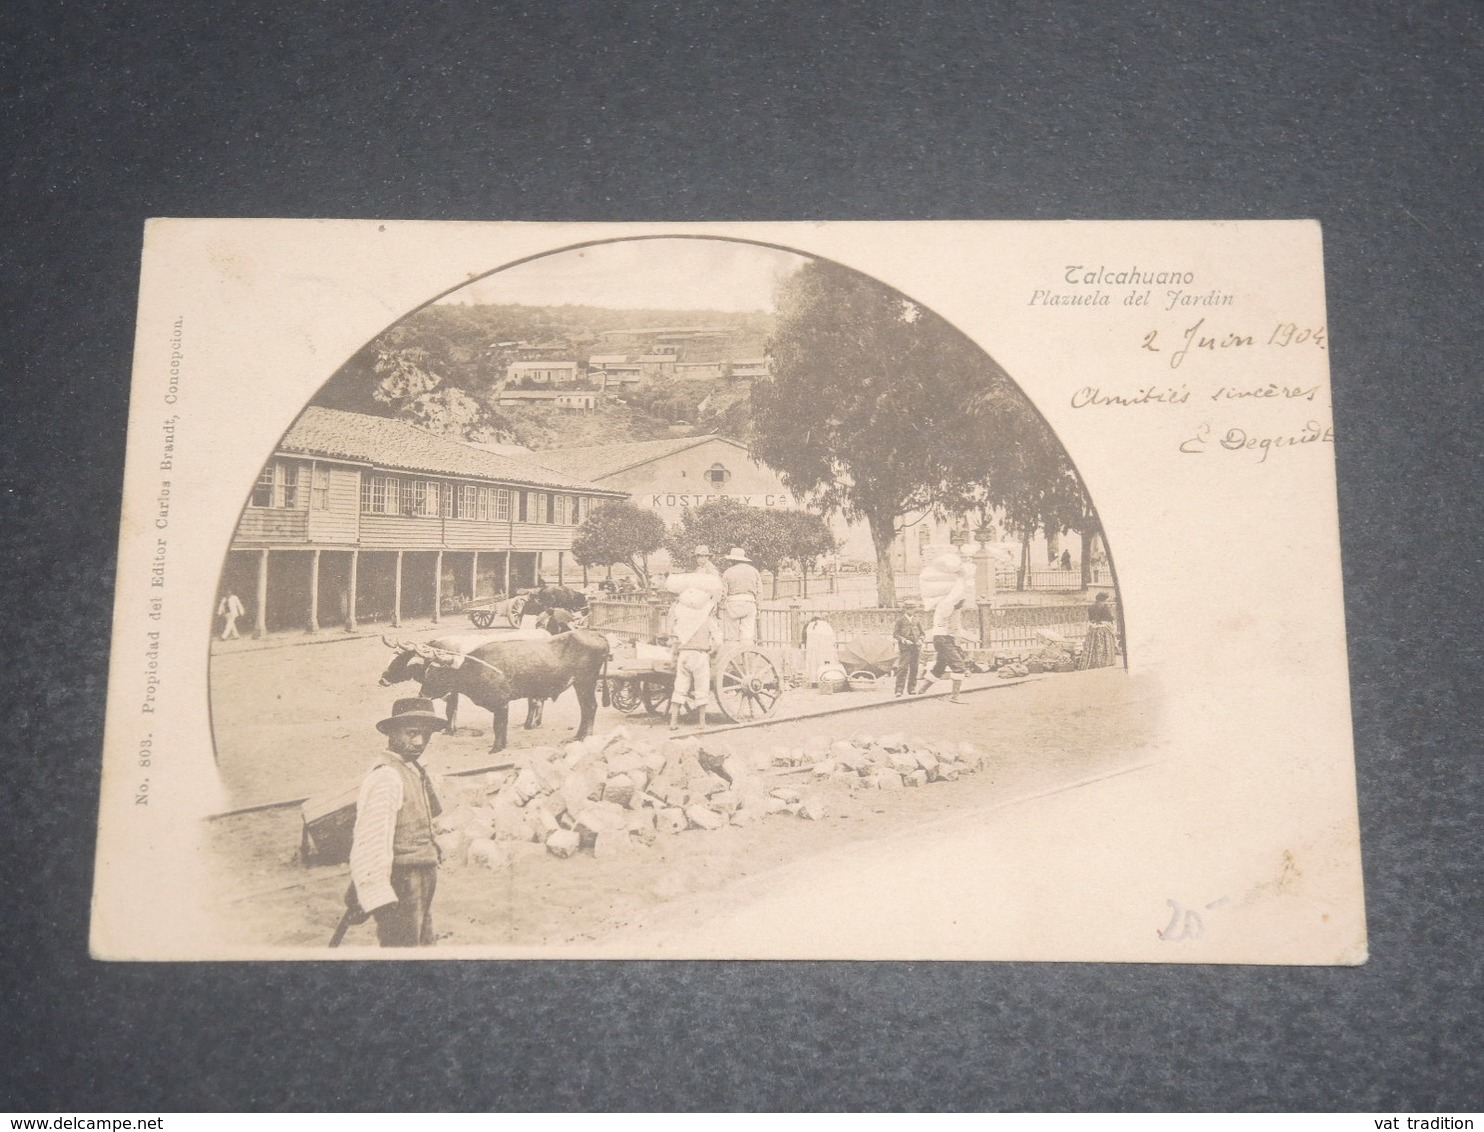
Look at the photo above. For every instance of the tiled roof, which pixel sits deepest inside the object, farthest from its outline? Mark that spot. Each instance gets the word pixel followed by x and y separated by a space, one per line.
pixel 387 443
pixel 603 460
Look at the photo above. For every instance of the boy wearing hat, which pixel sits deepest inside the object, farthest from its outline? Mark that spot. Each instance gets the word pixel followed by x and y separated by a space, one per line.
pixel 704 565
pixel 393 856
pixel 743 584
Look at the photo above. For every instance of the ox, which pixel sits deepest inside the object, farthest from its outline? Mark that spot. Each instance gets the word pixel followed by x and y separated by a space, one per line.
pixel 494 674
pixel 555 597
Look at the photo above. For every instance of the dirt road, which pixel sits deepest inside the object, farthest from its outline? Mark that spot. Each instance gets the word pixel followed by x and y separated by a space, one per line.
pixel 691 893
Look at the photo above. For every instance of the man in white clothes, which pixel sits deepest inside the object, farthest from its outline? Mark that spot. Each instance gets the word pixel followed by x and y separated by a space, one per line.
pixel 229 611
pixel 948 656
pixel 743 583
pixel 696 634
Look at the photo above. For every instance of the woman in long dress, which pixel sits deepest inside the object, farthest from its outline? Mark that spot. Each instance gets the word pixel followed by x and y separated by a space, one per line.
pixel 819 647
pixel 1101 644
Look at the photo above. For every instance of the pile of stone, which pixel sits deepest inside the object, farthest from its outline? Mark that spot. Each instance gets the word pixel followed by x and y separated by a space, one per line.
pixel 608 794
pixel 615 793
pixel 881 762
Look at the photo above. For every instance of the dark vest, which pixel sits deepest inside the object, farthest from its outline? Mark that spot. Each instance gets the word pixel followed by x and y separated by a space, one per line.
pixel 412 843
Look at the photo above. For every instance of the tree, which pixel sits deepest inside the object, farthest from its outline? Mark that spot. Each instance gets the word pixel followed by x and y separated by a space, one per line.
pixel 619 533
pixel 1025 473
pixel 865 414
pixel 721 524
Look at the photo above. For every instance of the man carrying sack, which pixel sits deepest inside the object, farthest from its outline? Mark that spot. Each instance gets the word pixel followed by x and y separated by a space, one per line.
pixel 393 856
pixel 696 634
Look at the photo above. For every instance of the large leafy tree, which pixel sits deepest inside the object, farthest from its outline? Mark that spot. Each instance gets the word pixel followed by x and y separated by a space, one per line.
pixel 619 533
pixel 870 406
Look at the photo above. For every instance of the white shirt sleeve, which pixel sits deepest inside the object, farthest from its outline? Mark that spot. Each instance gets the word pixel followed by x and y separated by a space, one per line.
pixel 371 848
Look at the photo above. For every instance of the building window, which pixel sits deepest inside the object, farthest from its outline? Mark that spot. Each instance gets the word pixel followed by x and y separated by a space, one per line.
pixel 425 499
pixel 468 501
pixel 319 498
pixel 381 495
pixel 262 492
pixel 716 475
pixel 446 500
pixel 278 486
pixel 562 503
pixel 502 505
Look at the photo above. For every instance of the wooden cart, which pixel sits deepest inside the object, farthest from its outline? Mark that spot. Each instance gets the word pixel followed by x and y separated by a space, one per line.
pixel 486 610
pixel 746 684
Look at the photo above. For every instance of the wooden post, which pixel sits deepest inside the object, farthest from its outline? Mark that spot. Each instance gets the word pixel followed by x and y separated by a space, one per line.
pixel 437 587
pixel 561 567
pixel 507 573
pixel 350 601
pixel 474 576
pixel 314 591
pixel 260 616
pixel 397 594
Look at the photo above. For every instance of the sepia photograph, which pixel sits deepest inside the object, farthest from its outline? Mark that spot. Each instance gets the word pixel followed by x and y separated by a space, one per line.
pixel 813 622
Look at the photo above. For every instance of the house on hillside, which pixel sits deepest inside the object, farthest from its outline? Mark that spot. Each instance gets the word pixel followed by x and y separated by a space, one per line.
pixel 540 373
pixel 552 351
pixel 574 400
pixel 361 518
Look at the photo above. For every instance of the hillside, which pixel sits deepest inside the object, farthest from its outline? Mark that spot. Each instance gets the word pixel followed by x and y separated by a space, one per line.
pixel 443 367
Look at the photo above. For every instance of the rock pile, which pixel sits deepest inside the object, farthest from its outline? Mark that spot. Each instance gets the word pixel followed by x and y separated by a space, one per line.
pixel 612 794
pixel 881 762
pixel 608 793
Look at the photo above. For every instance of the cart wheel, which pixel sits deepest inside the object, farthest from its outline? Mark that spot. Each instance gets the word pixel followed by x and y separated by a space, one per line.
pixel 656 698
pixel 514 609
pixel 624 696
pixel 482 618
pixel 748 686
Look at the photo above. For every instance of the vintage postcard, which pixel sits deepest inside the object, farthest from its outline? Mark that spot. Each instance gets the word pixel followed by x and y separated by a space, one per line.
pixel 924 591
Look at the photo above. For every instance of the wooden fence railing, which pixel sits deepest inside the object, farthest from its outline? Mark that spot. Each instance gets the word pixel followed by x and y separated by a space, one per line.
pixel 1004 627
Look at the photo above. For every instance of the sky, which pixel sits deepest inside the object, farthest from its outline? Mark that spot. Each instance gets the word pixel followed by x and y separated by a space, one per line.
pixel 661 274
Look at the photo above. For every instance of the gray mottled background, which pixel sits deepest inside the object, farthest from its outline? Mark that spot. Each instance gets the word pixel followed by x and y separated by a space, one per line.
pixel 1364 115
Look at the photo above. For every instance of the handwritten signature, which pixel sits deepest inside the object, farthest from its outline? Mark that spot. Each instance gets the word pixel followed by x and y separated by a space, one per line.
pixel 1240 440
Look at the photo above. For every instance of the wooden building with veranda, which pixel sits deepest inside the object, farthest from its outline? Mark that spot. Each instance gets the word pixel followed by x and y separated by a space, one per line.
pixel 358 518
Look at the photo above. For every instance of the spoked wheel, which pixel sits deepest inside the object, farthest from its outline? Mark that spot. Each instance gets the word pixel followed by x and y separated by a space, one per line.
pixel 656 698
pixel 514 609
pixel 624 696
pixel 482 618
pixel 748 686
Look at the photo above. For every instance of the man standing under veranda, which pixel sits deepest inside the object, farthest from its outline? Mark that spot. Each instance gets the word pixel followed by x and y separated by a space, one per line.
pixel 229 611
pixel 393 856
pixel 743 583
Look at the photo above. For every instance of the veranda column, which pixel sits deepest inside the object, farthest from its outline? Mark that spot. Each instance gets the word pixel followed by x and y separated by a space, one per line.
pixel 350 601
pixel 397 594
pixel 314 591
pixel 437 586
pixel 474 577
pixel 260 616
